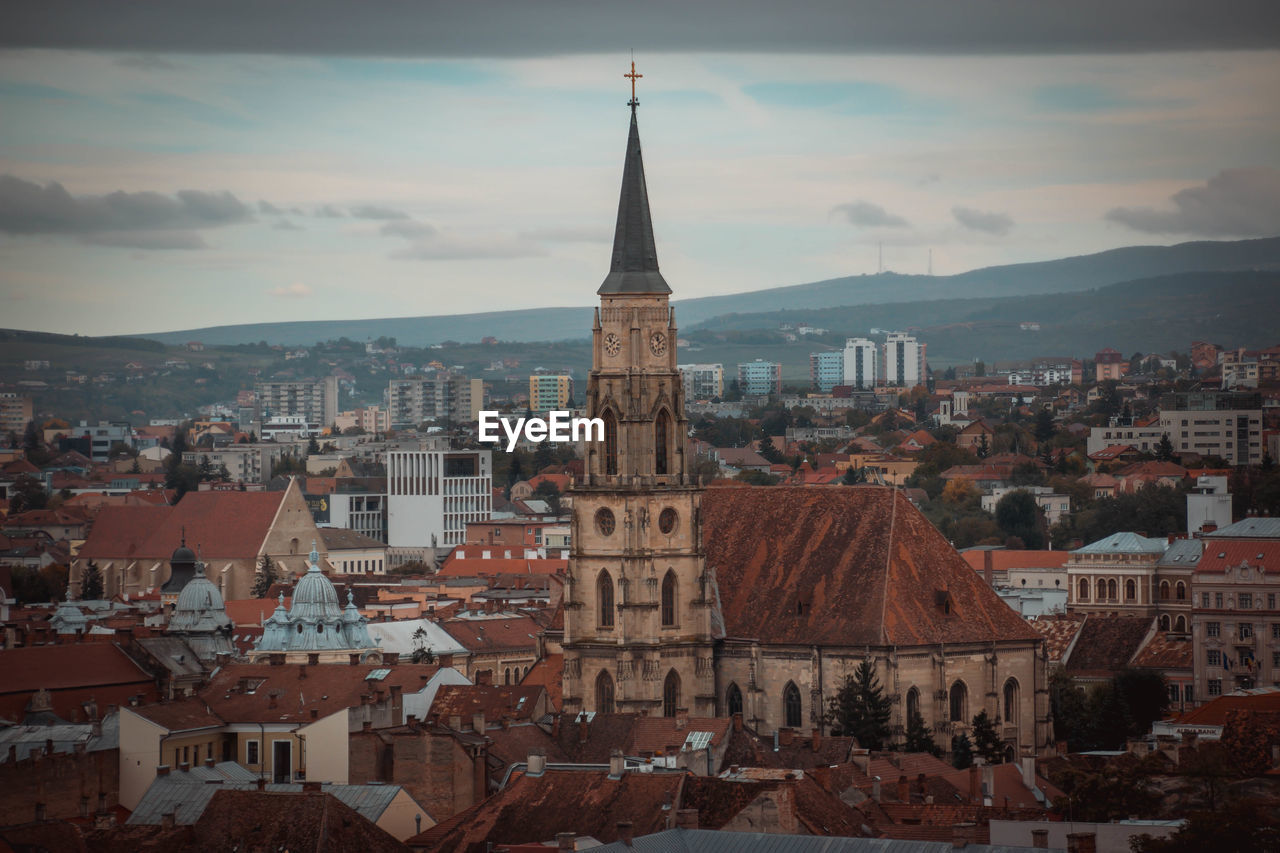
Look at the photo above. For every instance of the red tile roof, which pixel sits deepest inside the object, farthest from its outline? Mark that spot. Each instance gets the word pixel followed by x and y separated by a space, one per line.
pixel 64 666
pixel 548 673
pixel 317 821
pixel 474 566
pixel 479 636
pixel 1002 560
pixel 1106 644
pixel 1222 554
pixel 516 703
pixel 851 566
pixel 1058 634
pixel 253 611
pixel 1165 651
pixel 228 525
pixel 1214 713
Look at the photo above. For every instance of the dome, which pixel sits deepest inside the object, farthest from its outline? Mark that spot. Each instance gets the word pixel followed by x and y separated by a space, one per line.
pixel 183 554
pixel 200 606
pixel 314 598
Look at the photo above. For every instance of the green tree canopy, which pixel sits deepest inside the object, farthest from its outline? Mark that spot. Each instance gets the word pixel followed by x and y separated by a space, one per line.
pixel 860 708
pixel 268 574
pixel 91 583
pixel 1019 515
pixel 986 740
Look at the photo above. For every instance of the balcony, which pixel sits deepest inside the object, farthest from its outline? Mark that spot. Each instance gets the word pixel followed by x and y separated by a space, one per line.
pixel 1249 641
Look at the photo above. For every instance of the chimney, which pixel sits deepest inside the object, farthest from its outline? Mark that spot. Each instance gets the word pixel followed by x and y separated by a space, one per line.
pixel 209 762
pixel 1040 839
pixel 862 759
pixel 904 789
pixel 816 736
pixel 1082 842
pixel 687 819
pixel 184 766
pixel 1028 767
pixel 95 728
pixel 366 726
pixel 626 830
pixel 988 783
pixel 975 784
pixel 566 840
pixel 444 661
pixel 477 723
pixel 455 722
pixel 737 722
pixel 584 729
pixel 162 770
pixel 537 762
pixel 48 746
pixel 262 783
pixel 617 764
pixel 875 788
pixel 963 834
pixel 555 727
pixel 168 819
pixel 785 736
pixel 312 787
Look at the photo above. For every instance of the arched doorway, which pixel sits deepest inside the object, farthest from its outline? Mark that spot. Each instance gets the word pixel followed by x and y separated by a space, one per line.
pixel 671 694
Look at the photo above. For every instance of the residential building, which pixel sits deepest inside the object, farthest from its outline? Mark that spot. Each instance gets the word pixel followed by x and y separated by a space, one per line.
pixel 1054 506
pixel 826 369
pixel 1143 436
pixel 314 400
pixel 352 553
pixel 1046 372
pixel 861 363
pixel 433 494
pixel 702 381
pixel 1208 505
pixel 1115 575
pixel 1240 368
pixel 760 378
pixel 550 391
pixel 1215 423
pixel 1109 364
pixel 904 360
pixel 15 413
pixel 351 508
pixel 441 397
pixel 96 440
pixel 245 463
pixel 371 419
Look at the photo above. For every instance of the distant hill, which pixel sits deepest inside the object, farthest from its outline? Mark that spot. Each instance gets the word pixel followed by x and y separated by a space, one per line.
pixel 552 324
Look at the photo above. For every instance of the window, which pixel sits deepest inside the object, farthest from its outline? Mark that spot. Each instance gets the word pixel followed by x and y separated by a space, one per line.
pixel 1164 590
pixel 1102 590
pixel 733 700
pixel 1217 600
pixel 1214 657
pixel 661 439
pixel 1164 622
pixel 959 704
pixel 1212 629
pixel 1173 692
pixel 671 694
pixel 604 598
pixel 506 676
pixel 1271 601
pixel 1011 701
pixel 1182 591
pixel 1275 660
pixel 669 599
pixel 1275 630
pixel 1246 600
pixel 1186 693
pixel 610 442
pixel 913 704
pixel 791 705
pixel 1130 590
pixel 251 753
pixel 1215 687
pixel 1244 630
pixel 604 692
pixel 1084 589
pixel 1204 599
pixel 1181 624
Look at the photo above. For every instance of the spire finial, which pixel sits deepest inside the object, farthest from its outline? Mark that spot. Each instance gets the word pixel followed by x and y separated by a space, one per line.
pixel 633 76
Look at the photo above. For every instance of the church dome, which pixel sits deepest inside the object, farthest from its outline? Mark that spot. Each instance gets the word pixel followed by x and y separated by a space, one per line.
pixel 314 598
pixel 183 554
pixel 200 606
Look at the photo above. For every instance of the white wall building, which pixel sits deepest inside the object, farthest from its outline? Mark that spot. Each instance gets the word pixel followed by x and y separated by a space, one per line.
pixel 904 362
pixel 861 363
pixel 702 381
pixel 1056 507
pixel 432 494
pixel 1209 502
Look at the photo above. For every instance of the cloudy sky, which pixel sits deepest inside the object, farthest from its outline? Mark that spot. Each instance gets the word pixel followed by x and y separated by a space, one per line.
pixel 179 164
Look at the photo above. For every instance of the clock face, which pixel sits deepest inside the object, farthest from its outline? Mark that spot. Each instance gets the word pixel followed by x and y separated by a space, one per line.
pixel 658 343
pixel 612 344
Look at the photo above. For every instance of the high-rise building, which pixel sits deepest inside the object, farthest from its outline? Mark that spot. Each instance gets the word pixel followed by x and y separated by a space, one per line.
pixel 702 381
pixel 759 378
pixel 861 363
pixel 550 391
pixel 826 369
pixel 1214 423
pixel 314 400
pixel 442 397
pixel 15 413
pixel 904 363
pixel 432 494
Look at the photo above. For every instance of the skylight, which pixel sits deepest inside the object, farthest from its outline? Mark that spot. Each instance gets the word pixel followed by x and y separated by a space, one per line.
pixel 377 675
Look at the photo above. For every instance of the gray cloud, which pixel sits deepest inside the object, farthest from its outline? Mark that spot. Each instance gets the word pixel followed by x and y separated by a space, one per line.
pixel 151 240
pixel 328 211
pixel 864 214
pixel 286 225
pixel 269 208
pixel 28 208
pixel 980 220
pixel 569 234
pixel 1233 203
pixel 440 248
pixel 408 228
pixel 146 62
pixel 448 28
pixel 373 211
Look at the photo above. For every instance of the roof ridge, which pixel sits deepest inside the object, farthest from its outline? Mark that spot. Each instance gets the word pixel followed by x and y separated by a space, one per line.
pixel 888 560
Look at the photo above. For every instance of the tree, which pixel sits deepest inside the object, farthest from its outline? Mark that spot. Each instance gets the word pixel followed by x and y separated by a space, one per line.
pixel 1045 428
pixel 984 447
pixel 986 741
pixel 1019 515
pixel 860 708
pixel 27 493
pixel 313 446
pixel 768 451
pixel 268 574
pixel 1242 828
pixel 91 583
pixel 1144 697
pixel 1164 450
pixel 961 751
pixel 548 492
pixel 853 476
pixel 421 651
pixel 919 738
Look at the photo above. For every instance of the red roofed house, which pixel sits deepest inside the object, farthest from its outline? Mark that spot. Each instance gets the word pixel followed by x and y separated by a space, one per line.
pixel 62 678
pixel 504 645
pixel 229 531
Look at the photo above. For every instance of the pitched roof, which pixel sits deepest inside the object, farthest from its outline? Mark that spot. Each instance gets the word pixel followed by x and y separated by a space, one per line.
pixel 341 537
pixel 495 702
pixel 1058 634
pixel 477 566
pixel 1214 712
pixel 318 821
pixel 852 566
pixel 1249 528
pixel 1165 651
pixel 547 673
pixel 479 636
pixel 1221 555
pixel 67 666
pixel 1004 559
pixel 634 265
pixel 1125 543
pixel 1106 644
pixel 219 524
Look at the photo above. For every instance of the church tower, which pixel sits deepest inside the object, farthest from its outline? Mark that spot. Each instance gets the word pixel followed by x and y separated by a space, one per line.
pixel 638 632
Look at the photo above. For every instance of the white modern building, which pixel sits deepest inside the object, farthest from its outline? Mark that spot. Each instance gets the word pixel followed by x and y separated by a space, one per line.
pixel 759 378
pixel 1208 503
pixel 1055 507
pixel 826 370
pixel 861 363
pixel 702 381
pixel 432 494
pixel 313 400
pixel 904 361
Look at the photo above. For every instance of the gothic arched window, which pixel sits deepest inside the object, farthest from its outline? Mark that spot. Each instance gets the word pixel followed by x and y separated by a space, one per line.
pixel 661 442
pixel 733 700
pixel 913 704
pixel 959 702
pixel 1011 701
pixel 791 705
pixel 610 442
pixel 669 599
pixel 604 598
pixel 604 692
pixel 671 694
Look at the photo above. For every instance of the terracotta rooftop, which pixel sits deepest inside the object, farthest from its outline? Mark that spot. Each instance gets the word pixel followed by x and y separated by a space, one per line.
pixel 1106 644
pixel 1003 559
pixel 317 821
pixel 479 636
pixel 1165 651
pixel 253 611
pixel 1222 554
pixel 66 666
pixel 1058 634
pixel 221 524
pixel 547 673
pixel 473 565
pixel 852 566
pixel 1214 712
pixel 495 702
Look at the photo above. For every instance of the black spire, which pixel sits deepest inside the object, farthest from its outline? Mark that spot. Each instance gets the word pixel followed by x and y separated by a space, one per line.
pixel 634 268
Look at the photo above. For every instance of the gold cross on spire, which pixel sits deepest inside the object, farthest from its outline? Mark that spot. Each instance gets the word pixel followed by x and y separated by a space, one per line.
pixel 633 76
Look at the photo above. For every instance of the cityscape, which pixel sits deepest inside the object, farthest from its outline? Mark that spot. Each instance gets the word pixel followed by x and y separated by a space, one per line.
pixel 971 542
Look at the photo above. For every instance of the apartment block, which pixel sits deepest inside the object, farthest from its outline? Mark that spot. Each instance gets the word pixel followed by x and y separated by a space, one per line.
pixel 433 494
pixel 16 412
pixel 826 370
pixel 904 360
pixel 702 381
pixel 861 363
pixel 550 391
pixel 759 378
pixel 1109 364
pixel 314 400
pixel 1214 423
pixel 442 397
pixel 1116 433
